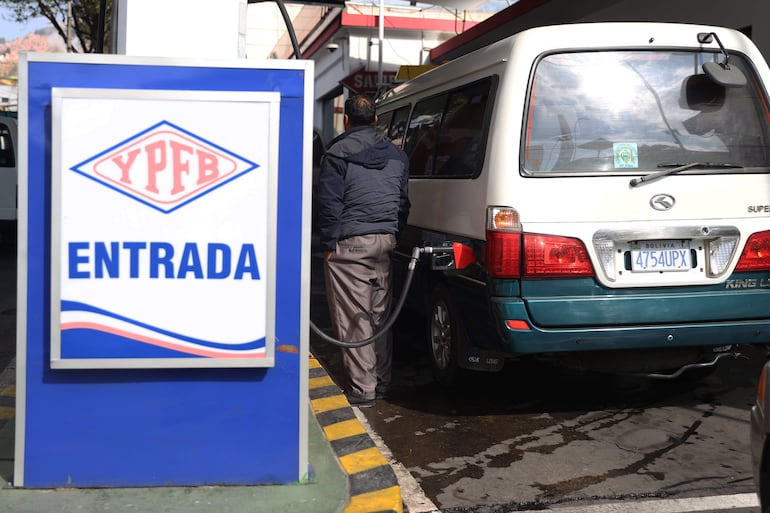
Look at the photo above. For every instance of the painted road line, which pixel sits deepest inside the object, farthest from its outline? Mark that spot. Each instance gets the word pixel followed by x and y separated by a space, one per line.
pixel 380 501
pixel 691 505
pixel 329 403
pixel 322 381
pixel 344 429
pixel 364 460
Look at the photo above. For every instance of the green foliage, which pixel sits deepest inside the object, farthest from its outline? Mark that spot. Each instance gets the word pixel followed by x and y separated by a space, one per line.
pixel 84 27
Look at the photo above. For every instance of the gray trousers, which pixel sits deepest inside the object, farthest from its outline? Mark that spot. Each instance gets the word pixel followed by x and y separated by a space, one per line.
pixel 358 292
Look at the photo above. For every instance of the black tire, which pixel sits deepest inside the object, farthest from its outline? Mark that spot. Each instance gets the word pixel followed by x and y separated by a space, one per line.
pixel 444 332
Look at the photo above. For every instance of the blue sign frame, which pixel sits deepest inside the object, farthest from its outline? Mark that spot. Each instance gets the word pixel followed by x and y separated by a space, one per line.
pixel 110 427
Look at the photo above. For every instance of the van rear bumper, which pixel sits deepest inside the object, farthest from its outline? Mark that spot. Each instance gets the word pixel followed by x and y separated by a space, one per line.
pixel 593 338
pixel 576 303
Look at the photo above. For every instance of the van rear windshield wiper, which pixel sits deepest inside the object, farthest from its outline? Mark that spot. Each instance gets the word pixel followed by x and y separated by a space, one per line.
pixel 677 167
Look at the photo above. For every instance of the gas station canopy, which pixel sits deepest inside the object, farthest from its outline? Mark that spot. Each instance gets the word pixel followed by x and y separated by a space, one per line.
pixel 465 5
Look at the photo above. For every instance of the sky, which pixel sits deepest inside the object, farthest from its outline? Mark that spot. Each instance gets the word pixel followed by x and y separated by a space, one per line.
pixel 10 30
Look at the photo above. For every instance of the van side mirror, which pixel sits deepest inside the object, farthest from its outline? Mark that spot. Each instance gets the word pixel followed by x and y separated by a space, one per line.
pixel 724 74
pixel 721 72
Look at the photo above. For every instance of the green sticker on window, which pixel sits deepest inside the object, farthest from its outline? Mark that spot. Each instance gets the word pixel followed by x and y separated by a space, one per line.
pixel 626 155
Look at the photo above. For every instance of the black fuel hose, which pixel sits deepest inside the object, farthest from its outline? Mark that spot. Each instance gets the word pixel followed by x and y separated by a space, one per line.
pixel 381 330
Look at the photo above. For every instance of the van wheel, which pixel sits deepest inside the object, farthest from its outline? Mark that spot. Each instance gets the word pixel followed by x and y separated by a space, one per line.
pixel 443 333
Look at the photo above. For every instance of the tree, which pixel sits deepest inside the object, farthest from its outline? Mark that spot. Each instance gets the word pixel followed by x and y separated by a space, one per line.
pixel 86 28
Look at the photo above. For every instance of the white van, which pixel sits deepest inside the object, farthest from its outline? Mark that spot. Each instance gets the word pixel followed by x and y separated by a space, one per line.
pixel 612 182
pixel 8 175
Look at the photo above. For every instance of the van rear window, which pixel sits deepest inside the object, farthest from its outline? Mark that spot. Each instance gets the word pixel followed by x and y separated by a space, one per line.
pixel 625 111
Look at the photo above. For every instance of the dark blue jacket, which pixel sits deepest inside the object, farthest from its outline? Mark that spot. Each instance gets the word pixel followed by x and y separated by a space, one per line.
pixel 362 187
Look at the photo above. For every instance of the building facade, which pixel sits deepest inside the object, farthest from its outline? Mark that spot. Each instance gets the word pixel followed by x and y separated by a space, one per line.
pixel 354 48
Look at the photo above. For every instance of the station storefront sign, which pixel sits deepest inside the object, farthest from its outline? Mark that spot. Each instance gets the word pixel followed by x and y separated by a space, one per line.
pixel 365 82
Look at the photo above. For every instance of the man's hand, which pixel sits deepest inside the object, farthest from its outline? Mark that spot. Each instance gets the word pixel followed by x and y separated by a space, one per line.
pixel 328 255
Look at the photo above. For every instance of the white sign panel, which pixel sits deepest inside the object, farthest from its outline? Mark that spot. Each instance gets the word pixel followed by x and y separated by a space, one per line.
pixel 163 228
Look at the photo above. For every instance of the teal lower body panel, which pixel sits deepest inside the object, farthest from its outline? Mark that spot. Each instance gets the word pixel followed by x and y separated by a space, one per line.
pixel 619 337
pixel 647 308
pixel 582 302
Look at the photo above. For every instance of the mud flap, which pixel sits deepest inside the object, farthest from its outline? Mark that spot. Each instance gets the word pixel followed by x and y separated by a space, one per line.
pixel 480 360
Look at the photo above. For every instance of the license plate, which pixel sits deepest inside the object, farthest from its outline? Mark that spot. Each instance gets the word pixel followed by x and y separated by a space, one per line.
pixel 660 256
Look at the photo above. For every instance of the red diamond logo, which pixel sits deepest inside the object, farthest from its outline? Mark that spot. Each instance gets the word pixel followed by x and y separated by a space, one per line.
pixel 165 167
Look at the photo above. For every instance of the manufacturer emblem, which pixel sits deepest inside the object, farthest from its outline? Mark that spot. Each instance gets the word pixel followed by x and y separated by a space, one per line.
pixel 662 202
pixel 164 167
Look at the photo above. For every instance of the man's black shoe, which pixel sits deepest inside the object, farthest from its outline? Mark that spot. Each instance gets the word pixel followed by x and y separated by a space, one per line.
pixel 361 402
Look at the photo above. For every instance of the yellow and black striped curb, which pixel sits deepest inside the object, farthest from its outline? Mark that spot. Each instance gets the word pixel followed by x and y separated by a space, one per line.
pixel 371 481
pixel 7 395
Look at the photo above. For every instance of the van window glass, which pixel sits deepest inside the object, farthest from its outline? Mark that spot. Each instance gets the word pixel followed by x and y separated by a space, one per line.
pixel 461 137
pixel 422 135
pixel 624 111
pixel 383 123
pixel 7 156
pixel 398 126
pixel 392 124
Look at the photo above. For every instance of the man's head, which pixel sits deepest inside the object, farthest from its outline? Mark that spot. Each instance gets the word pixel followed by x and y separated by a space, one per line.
pixel 359 111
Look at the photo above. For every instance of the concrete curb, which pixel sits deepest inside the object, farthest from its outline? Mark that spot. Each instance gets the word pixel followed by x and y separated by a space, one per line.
pixel 372 482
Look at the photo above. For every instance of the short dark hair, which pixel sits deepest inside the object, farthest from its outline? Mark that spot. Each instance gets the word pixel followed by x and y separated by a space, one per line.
pixel 360 110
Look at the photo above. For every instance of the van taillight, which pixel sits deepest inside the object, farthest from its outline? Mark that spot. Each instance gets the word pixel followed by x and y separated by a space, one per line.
pixel 503 254
pixel 503 242
pixel 511 254
pixel 756 253
pixel 548 255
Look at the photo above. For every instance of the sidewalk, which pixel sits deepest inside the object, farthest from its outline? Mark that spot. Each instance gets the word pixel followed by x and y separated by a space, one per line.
pixel 349 474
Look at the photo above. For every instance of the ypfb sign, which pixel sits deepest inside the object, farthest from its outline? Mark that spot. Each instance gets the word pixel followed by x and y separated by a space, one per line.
pixel 165 166
pixel 164 249
pixel 163 228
